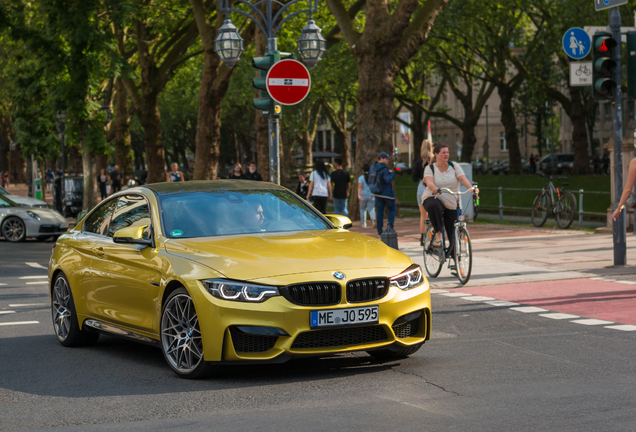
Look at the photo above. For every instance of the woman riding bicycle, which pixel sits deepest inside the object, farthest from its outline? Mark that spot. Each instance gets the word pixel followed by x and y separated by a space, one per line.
pixel 441 174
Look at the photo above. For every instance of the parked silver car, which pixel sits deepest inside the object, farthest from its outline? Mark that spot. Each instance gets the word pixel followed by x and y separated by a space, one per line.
pixel 22 200
pixel 19 221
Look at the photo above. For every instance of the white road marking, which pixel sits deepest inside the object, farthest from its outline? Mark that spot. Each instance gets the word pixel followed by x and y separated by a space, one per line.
pixel 528 309
pixel 28 305
pixel 19 323
pixel 3 284
pixel 455 294
pixel 478 298
pixel 37 283
pixel 501 303
pixel 33 277
pixel 437 291
pixel 626 282
pixel 591 321
pixel 36 265
pixel 6 312
pixel 559 316
pixel 624 327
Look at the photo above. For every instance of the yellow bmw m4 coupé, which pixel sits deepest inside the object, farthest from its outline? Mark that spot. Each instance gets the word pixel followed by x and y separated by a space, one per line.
pixel 233 272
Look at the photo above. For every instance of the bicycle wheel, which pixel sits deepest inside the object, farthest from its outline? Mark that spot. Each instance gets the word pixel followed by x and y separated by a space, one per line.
pixel 463 255
pixel 565 210
pixel 433 256
pixel 540 208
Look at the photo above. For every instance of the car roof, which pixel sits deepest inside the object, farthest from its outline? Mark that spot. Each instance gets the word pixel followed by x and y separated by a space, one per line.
pixel 169 188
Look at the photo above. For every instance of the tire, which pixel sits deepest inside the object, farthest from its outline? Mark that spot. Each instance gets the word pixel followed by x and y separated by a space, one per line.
pixel 540 208
pixel 181 341
pixel 13 229
pixel 463 256
pixel 565 210
pixel 64 316
pixel 386 354
pixel 433 257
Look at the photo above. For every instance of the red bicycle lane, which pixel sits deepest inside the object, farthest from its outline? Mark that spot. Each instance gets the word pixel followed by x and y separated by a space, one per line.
pixel 587 298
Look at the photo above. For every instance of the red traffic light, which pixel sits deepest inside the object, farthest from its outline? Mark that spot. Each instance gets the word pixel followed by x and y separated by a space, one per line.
pixel 604 44
pixel 603 47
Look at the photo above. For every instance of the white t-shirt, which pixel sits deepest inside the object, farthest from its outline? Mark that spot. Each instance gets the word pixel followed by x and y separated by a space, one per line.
pixel 320 185
pixel 446 179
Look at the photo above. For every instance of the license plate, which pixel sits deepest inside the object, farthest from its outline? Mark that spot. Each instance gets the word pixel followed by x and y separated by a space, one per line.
pixel 340 317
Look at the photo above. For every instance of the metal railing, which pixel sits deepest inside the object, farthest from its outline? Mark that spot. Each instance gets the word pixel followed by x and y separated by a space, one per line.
pixel 501 207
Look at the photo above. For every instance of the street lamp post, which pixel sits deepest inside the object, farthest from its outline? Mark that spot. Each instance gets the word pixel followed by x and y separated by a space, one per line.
pixel 2 173
pixel 229 47
pixel 60 119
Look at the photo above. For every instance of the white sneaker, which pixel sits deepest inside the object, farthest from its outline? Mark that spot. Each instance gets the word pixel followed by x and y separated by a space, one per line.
pixel 364 225
pixel 373 223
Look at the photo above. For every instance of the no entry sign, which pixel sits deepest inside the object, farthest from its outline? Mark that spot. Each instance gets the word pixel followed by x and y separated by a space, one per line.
pixel 288 82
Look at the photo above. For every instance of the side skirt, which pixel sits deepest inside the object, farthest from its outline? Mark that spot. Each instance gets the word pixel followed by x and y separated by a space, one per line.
pixel 111 330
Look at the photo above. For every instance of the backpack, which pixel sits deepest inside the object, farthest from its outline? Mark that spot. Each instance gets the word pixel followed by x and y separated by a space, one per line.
pixel 374 181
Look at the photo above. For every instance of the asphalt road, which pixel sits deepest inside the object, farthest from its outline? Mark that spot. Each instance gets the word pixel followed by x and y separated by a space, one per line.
pixel 487 368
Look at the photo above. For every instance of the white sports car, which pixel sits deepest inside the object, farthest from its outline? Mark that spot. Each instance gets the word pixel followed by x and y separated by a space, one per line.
pixel 19 221
pixel 22 200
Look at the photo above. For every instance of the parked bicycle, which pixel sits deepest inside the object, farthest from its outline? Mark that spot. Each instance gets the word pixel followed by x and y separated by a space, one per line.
pixel 460 251
pixel 552 200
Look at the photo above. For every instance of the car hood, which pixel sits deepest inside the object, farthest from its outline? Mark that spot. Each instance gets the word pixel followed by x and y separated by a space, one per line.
pixel 263 256
pixel 19 199
pixel 49 216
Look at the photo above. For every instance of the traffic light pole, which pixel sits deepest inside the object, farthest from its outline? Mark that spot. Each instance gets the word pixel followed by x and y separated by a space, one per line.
pixel 620 240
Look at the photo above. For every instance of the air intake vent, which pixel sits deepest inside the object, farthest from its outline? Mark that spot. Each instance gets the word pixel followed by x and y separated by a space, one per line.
pixel 247 343
pixel 313 294
pixel 340 337
pixel 364 290
pixel 407 329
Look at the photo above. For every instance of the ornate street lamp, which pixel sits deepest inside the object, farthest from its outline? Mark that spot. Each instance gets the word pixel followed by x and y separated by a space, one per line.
pixel 311 44
pixel 228 44
pixel 60 119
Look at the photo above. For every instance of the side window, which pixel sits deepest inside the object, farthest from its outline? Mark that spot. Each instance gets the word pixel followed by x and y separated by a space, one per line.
pixel 98 222
pixel 132 210
pixel 4 203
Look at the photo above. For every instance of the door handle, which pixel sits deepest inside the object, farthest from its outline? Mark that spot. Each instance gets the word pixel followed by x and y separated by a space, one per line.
pixel 99 252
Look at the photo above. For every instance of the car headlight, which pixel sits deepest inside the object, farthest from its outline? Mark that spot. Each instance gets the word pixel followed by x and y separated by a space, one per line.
pixel 33 215
pixel 409 278
pixel 239 291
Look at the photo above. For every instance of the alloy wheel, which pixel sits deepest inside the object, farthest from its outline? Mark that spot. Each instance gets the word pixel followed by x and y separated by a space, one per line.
pixel 180 334
pixel 13 229
pixel 61 309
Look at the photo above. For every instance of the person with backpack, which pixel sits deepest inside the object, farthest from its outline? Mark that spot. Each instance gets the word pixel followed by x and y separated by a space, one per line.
pixel 367 203
pixel 381 186
pixel 443 174
pixel 320 187
pixel 418 177
pixel 341 187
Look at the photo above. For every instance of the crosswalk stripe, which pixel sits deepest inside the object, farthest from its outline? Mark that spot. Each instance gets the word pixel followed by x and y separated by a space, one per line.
pixel 33 277
pixel 19 323
pixel 28 305
pixel 37 283
pixel 6 312
pixel 36 265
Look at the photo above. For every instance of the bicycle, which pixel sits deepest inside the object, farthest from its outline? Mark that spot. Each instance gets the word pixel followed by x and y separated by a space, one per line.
pixel 462 253
pixel 564 207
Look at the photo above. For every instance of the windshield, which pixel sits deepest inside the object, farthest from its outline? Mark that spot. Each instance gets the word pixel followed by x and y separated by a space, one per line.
pixel 207 214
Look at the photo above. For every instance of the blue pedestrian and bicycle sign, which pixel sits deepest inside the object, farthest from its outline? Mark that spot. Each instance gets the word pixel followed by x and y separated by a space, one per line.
pixel 576 43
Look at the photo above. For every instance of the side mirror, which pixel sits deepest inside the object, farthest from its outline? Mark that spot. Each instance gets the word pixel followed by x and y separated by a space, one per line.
pixel 339 221
pixel 132 235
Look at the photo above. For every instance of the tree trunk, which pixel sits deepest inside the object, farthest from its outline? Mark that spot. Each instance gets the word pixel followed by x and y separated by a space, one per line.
pixel 150 120
pixel 510 126
pixel 579 133
pixel 121 141
pixel 90 180
pixel 419 134
pixel 469 139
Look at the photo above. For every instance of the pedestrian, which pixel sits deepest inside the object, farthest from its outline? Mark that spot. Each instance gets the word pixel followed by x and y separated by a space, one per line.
pixel 237 173
pixel 174 175
pixel 102 181
pixel 15 177
pixel 386 197
pixel 252 174
pixel 628 197
pixel 303 186
pixel 143 177
pixel 426 157
pixel 533 164
pixel 341 188
pixel 115 180
pixel 606 162
pixel 596 163
pixel 319 187
pixel 367 203
pixel 443 210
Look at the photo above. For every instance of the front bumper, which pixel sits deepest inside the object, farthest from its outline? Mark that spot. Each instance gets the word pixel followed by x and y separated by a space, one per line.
pixel 277 329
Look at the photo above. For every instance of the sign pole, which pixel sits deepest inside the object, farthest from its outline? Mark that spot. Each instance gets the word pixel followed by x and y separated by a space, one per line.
pixel 620 240
pixel 272 123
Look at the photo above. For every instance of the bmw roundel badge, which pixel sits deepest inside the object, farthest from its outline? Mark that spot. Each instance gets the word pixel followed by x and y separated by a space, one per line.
pixel 339 275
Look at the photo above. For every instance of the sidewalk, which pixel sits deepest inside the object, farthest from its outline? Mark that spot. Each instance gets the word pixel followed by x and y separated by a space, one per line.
pixel 508 254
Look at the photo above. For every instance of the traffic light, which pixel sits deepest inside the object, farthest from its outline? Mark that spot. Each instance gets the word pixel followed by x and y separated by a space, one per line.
pixel 631 63
pixel 263 64
pixel 603 65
